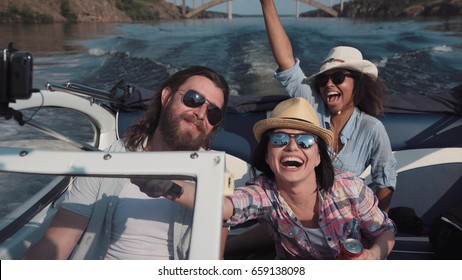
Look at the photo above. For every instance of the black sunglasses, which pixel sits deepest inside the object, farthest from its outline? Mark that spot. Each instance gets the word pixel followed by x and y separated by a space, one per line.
pixel 303 140
pixel 194 99
pixel 337 78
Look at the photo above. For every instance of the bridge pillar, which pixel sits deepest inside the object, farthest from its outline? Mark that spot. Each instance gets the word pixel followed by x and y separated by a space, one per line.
pixel 183 8
pixel 297 9
pixel 230 9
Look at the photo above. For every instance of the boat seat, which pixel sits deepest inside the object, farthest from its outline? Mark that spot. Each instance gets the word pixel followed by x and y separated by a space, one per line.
pixel 418 131
pixel 236 136
pixel 437 172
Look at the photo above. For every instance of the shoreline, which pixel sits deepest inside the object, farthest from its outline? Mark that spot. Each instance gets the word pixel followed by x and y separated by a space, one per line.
pixel 81 11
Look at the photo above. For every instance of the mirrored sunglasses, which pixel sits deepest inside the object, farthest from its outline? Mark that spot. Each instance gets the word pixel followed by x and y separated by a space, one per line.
pixel 303 140
pixel 337 78
pixel 194 99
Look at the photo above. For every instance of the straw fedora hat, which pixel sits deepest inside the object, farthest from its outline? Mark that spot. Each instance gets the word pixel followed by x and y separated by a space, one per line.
pixel 293 113
pixel 347 58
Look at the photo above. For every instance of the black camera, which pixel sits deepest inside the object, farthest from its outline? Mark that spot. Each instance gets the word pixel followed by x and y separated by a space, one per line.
pixel 15 75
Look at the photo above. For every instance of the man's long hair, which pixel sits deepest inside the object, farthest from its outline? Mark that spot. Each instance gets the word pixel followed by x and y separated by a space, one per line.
pixel 136 135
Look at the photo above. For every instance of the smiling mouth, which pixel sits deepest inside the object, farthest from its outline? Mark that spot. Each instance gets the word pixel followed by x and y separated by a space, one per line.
pixel 333 97
pixel 196 124
pixel 291 162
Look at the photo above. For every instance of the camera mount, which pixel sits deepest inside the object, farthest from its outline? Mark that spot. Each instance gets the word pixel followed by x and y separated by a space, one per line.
pixel 15 80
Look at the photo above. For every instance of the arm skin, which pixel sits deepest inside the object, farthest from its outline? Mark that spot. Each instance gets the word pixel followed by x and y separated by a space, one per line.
pixel 380 249
pixel 279 41
pixel 384 195
pixel 59 240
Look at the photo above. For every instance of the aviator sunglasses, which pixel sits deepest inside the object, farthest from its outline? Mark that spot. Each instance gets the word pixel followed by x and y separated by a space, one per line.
pixel 194 99
pixel 303 140
pixel 337 78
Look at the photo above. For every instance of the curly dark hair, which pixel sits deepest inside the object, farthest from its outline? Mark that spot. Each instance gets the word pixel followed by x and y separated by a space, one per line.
pixel 147 124
pixel 324 171
pixel 369 94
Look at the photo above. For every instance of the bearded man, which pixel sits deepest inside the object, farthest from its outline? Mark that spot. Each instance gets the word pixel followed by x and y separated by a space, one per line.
pixel 111 217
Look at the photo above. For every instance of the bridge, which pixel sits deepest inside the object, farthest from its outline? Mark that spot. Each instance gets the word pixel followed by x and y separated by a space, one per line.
pixel 206 5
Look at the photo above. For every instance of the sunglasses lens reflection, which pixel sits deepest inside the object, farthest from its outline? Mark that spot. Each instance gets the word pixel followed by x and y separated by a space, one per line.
pixel 303 141
pixel 194 99
pixel 214 114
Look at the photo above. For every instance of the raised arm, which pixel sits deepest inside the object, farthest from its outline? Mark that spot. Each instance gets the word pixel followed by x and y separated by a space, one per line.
pixel 280 42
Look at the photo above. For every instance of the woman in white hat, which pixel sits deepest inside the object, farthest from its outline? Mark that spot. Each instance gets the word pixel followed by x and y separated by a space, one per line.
pixel 309 207
pixel 347 95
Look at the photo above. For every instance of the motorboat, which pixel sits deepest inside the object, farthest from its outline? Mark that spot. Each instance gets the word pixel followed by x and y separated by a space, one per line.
pixel 76 123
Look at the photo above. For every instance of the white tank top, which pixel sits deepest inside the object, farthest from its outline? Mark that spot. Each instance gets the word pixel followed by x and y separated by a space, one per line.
pixel 142 227
pixel 319 242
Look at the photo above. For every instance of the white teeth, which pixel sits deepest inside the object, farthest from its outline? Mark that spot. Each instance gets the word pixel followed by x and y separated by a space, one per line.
pixel 292 159
pixel 292 162
pixel 332 93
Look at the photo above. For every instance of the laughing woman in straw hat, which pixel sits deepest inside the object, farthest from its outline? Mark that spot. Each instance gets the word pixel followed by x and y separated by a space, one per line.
pixel 347 94
pixel 309 207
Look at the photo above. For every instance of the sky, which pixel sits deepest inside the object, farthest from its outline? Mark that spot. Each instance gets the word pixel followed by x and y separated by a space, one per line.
pixel 252 7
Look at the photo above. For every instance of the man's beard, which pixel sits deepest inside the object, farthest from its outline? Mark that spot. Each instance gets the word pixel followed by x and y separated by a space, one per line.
pixel 177 138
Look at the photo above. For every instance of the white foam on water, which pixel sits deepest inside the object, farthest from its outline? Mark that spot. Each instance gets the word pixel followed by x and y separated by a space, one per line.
pixel 443 48
pixel 97 52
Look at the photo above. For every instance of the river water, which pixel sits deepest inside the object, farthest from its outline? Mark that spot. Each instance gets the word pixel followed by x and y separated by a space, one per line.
pixel 422 56
pixel 419 56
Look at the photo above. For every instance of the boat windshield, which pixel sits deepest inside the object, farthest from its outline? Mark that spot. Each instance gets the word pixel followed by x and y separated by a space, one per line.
pixel 16 188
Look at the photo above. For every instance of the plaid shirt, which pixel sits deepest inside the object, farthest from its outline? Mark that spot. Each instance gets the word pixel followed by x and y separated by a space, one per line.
pixel 347 210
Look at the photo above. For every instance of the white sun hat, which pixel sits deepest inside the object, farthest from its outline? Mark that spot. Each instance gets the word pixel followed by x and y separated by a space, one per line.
pixel 347 58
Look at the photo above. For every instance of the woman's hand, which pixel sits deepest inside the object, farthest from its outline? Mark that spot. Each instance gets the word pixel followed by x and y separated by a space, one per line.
pixel 367 255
